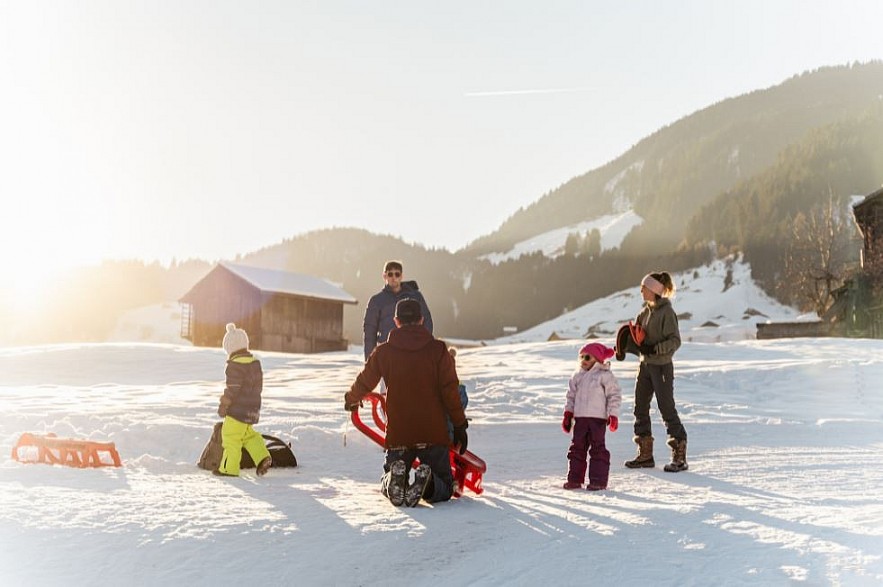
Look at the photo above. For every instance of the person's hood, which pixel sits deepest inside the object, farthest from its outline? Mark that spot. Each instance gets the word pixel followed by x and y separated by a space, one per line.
pixel 605 366
pixel 406 286
pixel 411 337
pixel 660 303
pixel 596 368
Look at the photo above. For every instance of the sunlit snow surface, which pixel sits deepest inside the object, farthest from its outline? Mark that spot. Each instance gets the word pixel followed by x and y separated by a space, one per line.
pixel 785 438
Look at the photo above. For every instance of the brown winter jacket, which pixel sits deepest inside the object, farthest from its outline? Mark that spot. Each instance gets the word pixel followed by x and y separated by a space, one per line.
pixel 421 387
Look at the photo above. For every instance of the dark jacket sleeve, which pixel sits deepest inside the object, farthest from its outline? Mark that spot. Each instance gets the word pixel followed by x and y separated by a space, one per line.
pixel 670 333
pixel 663 333
pixel 427 315
pixel 371 325
pixel 450 388
pixel 233 386
pixel 366 380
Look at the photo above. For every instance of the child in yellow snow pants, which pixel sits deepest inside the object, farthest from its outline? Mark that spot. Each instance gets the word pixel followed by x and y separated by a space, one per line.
pixel 235 436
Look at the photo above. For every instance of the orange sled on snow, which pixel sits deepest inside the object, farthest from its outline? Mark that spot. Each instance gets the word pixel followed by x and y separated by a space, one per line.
pixel 52 450
pixel 467 468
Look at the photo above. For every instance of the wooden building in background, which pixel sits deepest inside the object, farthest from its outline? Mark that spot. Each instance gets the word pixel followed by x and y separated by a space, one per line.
pixel 857 310
pixel 280 311
pixel 869 217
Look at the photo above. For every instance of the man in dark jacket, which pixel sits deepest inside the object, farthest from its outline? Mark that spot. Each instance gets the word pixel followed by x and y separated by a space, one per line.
pixel 422 392
pixel 381 307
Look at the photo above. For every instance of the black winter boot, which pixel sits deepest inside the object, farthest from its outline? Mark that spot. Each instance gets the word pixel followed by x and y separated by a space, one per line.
pixel 678 455
pixel 264 466
pixel 644 460
pixel 416 490
pixel 396 482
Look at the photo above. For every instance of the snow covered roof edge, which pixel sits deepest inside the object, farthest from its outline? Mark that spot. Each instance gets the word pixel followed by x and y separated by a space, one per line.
pixel 286 282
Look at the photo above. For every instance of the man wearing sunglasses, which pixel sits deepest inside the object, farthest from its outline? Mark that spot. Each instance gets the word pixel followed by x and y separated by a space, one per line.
pixel 380 313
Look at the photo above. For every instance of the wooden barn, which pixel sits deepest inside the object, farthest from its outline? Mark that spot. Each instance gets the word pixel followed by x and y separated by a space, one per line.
pixel 869 217
pixel 281 311
pixel 858 307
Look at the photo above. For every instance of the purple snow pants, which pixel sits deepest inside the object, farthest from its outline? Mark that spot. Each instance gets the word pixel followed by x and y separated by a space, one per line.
pixel 588 437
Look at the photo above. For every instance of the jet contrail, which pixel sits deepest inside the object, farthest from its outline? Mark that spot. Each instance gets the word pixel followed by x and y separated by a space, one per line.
pixel 521 92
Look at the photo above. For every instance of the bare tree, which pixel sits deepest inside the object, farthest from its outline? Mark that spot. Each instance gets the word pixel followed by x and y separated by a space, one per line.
pixel 821 256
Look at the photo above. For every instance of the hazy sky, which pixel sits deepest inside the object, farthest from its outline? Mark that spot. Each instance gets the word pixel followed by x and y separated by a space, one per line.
pixel 161 129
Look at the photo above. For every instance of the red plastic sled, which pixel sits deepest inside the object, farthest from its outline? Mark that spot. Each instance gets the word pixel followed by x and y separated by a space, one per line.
pixel 71 452
pixel 467 468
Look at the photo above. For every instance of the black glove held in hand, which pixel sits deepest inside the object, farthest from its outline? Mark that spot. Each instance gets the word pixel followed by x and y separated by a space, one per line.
pixel 349 405
pixel 647 349
pixel 461 438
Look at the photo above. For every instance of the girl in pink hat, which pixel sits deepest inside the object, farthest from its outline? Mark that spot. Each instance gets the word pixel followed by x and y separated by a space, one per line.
pixel 593 401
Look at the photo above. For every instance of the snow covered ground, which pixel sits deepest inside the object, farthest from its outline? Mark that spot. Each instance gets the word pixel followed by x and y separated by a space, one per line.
pixel 786 438
pixel 783 486
pixel 156 323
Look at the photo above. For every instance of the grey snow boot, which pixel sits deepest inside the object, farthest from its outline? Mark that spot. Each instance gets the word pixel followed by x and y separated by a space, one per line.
pixel 644 460
pixel 678 455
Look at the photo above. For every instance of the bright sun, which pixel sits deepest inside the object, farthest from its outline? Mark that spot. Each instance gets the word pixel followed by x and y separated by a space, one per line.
pixel 39 248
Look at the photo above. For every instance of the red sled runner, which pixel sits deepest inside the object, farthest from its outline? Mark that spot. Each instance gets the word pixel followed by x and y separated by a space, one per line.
pixel 467 468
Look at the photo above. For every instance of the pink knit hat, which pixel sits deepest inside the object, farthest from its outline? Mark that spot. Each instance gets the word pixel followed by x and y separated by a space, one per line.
pixel 598 351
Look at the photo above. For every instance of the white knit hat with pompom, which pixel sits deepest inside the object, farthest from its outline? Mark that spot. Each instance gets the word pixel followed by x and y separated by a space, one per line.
pixel 235 340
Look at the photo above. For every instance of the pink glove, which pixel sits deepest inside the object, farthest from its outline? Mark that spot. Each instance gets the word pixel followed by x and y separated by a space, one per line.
pixel 567 422
pixel 613 423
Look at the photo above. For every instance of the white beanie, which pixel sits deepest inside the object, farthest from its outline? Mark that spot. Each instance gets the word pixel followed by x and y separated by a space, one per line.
pixel 235 340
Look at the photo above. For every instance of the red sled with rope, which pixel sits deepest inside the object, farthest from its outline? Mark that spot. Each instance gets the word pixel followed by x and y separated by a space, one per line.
pixel 468 469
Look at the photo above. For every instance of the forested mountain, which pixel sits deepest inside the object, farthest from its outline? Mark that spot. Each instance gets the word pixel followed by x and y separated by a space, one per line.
pixel 673 173
pixel 729 177
pixel 733 176
pixel 468 297
pixel 831 163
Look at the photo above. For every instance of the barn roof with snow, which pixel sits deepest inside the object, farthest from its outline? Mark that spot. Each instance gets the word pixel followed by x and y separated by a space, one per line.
pixel 285 282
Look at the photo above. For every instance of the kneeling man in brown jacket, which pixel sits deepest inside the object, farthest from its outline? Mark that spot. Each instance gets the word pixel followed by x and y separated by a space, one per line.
pixel 421 394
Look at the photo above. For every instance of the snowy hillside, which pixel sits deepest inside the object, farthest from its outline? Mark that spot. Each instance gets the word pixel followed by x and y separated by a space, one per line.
pixel 718 302
pixel 782 486
pixel 613 229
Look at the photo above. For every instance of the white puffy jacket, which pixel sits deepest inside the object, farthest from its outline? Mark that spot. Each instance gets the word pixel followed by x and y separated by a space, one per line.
pixel 594 393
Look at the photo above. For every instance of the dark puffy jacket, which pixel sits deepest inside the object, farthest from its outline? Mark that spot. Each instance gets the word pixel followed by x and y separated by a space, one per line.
pixel 381 310
pixel 421 387
pixel 245 382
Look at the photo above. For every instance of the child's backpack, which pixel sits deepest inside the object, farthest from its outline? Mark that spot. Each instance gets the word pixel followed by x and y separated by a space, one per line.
pixel 211 455
pixel 279 450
